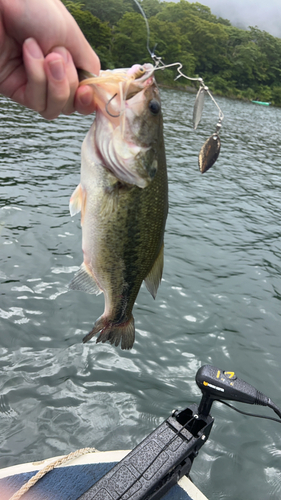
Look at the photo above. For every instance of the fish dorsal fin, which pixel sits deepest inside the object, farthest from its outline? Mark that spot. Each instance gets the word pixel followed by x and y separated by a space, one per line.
pixel 84 281
pixel 153 278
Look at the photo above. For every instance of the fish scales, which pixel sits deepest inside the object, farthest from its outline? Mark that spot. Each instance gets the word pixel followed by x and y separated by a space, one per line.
pixel 122 223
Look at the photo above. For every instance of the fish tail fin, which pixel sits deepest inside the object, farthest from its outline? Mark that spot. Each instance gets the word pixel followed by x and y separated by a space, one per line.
pixel 114 332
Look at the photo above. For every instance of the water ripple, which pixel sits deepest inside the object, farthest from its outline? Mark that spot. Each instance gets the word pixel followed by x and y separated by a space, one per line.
pixel 219 301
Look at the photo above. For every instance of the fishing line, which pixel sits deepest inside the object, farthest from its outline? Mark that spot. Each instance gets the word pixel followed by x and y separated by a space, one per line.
pixel 211 148
pixel 147 26
pixel 158 60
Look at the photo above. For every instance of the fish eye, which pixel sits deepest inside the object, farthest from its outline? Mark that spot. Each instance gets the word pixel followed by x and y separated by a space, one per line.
pixel 154 106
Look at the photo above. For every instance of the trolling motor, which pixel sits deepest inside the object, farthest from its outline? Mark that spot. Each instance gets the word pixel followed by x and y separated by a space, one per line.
pixel 221 385
pixel 163 457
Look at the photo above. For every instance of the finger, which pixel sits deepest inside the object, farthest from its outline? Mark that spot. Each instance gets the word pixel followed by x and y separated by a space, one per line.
pixel 82 53
pixel 84 101
pixel 72 77
pixel 34 93
pixel 58 90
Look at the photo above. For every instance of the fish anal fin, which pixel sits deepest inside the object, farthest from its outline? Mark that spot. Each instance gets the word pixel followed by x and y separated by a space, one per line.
pixel 84 281
pixel 153 278
pixel 114 333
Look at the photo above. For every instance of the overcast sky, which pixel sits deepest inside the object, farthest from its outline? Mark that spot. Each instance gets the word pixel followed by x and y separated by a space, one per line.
pixel 266 14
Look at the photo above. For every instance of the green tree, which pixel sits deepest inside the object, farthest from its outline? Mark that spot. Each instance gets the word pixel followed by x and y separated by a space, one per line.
pixel 96 32
pixel 208 41
pixel 175 12
pixel 226 22
pixel 203 38
pixel 203 12
pixel 249 65
pixel 129 41
pixel 171 45
pixel 151 7
pixel 110 11
pixel 245 63
pixel 270 47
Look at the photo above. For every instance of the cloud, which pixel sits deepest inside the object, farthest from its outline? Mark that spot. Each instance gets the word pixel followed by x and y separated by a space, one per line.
pixel 244 13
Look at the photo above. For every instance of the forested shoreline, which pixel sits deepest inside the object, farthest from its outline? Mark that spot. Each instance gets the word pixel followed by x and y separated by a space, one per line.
pixel 244 64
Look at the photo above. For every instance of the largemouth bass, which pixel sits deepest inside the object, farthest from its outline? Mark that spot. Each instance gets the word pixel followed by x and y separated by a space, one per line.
pixel 123 198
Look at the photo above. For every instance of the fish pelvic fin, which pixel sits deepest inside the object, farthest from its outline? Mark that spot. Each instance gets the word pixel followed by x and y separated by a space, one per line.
pixel 84 281
pixel 153 279
pixel 114 333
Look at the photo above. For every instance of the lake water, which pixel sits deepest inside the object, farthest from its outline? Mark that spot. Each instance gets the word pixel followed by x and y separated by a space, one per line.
pixel 219 302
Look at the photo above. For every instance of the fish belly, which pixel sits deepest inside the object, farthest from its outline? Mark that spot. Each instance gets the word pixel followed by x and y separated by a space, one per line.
pixel 122 238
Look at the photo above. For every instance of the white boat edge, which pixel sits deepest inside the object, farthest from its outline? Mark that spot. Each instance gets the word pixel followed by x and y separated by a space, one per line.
pixel 94 458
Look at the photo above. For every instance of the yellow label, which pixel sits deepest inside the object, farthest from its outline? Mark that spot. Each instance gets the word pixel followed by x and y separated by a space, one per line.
pixel 229 374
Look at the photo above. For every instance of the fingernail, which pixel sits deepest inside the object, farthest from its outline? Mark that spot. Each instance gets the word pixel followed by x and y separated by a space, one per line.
pixel 33 48
pixel 57 69
pixel 85 97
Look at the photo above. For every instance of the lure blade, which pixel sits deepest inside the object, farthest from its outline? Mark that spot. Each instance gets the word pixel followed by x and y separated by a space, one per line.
pixel 209 153
pixel 198 107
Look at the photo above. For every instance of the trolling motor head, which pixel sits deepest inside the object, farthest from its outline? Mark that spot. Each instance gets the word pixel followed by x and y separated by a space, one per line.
pixel 216 384
pixel 167 454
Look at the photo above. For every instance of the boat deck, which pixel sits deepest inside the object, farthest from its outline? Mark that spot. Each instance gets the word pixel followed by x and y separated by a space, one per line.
pixel 71 481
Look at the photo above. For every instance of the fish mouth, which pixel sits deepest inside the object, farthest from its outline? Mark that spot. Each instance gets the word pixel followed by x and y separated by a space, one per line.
pixel 122 99
pixel 138 72
pixel 143 76
pixel 112 88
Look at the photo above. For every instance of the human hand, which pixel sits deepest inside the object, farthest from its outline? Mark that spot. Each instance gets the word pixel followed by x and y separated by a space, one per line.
pixel 40 48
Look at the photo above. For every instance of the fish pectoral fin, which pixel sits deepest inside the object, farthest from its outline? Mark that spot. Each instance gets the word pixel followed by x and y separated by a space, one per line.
pixel 76 201
pixel 84 281
pixel 114 332
pixel 153 278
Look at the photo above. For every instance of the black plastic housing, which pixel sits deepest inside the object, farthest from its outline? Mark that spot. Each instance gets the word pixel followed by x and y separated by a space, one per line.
pixel 158 462
pixel 218 384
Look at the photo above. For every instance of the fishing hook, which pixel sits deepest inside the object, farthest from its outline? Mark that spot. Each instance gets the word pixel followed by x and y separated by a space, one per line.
pixel 160 65
pixel 106 107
